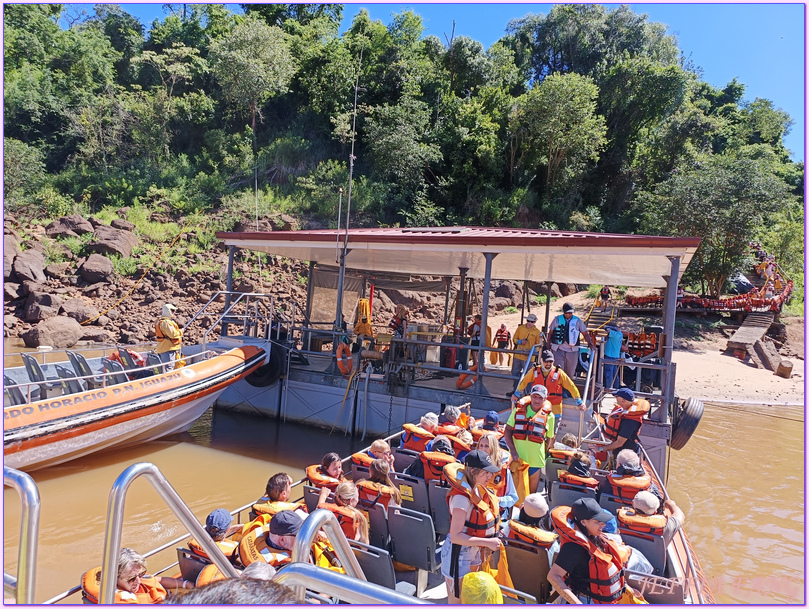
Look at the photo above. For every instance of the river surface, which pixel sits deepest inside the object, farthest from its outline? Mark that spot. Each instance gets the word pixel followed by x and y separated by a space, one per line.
pixel 740 482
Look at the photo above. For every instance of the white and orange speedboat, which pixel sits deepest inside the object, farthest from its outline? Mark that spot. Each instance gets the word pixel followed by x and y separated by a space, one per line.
pixel 43 432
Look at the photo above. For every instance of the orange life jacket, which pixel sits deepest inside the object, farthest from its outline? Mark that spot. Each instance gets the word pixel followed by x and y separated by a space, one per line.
pixel 499 482
pixel 415 437
pixel 448 429
pixel 552 383
pixel 606 582
pixel 374 492
pixel 626 487
pixel 485 515
pixel 574 480
pixel 150 592
pixel 229 547
pixel 434 463
pixel 635 521
pixel 265 506
pixel 362 459
pixel 458 446
pixel 253 547
pixel 532 429
pixel 501 335
pixel 208 575
pixel 478 432
pixel 136 357
pixel 319 479
pixel 159 333
pixel 533 535
pixel 344 516
pixel 636 412
pixel 560 454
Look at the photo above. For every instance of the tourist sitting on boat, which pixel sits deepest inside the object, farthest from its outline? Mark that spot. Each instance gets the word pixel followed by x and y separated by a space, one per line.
pixel 474 519
pixel 352 521
pixel 169 336
pixel 578 472
pixel 628 478
pixel 448 421
pixel 644 516
pixel 502 484
pixel 416 437
pixel 258 570
pixel 134 584
pixel 238 591
pixel 462 443
pixel 379 450
pixel 531 524
pixel 276 496
pixel 430 464
pixel 529 427
pixel 489 423
pixel 589 567
pixel 622 425
pixel 365 331
pixel 329 473
pixel 480 588
pixel 379 488
pixel 219 526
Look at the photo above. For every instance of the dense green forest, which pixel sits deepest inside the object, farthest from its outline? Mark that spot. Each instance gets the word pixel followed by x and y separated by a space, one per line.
pixel 585 118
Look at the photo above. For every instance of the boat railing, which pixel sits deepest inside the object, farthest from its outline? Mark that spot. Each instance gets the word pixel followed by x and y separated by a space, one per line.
pixel 58 356
pixel 22 587
pixel 28 388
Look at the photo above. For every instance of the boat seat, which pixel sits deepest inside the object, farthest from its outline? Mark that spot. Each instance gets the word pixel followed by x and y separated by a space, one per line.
pixel 413 491
pixel 153 361
pixel 528 566
pixel 82 368
pixel 129 363
pixel 359 472
pixel 653 547
pixel 413 543
pixel 439 509
pixel 12 394
pixel 403 458
pixel 552 467
pixel 311 494
pixel 378 534
pixel 118 376
pixel 515 597
pixel 613 502
pixel 191 564
pixel 375 563
pixel 70 384
pixel 47 389
pixel 566 494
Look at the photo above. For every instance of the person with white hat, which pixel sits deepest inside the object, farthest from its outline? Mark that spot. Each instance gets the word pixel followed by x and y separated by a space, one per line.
pixel 525 337
pixel 565 334
pixel 169 336
pixel 646 504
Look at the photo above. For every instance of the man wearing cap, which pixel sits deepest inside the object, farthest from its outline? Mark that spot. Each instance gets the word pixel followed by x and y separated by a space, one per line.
pixel 530 427
pixel 647 504
pixel 554 379
pixel 613 345
pixel 284 527
pixel 168 334
pixel 525 337
pixel 218 526
pixel 580 573
pixel 623 424
pixel 565 334
pixel 491 421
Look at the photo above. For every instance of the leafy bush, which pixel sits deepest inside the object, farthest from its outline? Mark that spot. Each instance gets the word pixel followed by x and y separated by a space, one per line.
pixel 124 266
pixel 510 310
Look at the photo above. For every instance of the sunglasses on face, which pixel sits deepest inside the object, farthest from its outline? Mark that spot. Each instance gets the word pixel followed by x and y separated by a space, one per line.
pixel 134 577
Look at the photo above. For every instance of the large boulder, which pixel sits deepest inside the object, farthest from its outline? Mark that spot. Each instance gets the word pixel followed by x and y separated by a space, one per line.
pixel 11 291
pixel 284 222
pixel 93 334
pixel 57 269
pixel 122 224
pixel 30 265
pixel 566 289
pixel 412 300
pixel 58 332
pixel 68 226
pixel 97 268
pixel 510 290
pixel 79 310
pixel 10 250
pixel 40 306
pixel 109 240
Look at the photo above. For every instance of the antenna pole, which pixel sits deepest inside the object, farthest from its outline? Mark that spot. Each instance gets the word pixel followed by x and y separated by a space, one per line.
pixel 339 214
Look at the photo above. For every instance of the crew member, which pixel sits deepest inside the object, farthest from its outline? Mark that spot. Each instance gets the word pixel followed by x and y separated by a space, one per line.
pixel 528 429
pixel 623 424
pixel 554 379
pixel 565 333
pixel 525 337
pixel 169 336
pixel 365 331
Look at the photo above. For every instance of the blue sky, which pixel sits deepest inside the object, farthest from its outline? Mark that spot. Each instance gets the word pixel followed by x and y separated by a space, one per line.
pixel 762 45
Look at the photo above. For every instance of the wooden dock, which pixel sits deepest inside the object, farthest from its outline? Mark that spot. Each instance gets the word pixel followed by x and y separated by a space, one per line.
pixel 753 329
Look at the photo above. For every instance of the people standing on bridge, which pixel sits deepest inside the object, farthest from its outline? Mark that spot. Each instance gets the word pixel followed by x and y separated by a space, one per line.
pixel 169 337
pixel 503 338
pixel 525 337
pixel 554 379
pixel 565 333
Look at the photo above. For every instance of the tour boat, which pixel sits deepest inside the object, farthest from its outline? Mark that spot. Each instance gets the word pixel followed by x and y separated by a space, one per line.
pixel 56 429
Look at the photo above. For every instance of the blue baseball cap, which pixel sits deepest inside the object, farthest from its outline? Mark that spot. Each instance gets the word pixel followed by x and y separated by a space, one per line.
pixel 492 418
pixel 218 521
pixel 626 393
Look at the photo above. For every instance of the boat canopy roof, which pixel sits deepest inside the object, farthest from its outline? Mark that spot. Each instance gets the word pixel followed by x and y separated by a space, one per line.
pixel 521 254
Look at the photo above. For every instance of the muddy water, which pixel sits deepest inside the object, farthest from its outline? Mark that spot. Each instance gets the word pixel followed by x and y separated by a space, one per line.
pixel 739 481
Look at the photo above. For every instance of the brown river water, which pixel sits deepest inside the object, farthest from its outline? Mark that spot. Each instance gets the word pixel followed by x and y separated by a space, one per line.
pixel 744 507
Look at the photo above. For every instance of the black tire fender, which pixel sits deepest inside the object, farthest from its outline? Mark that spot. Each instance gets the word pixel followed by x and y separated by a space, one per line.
pixel 270 372
pixel 685 422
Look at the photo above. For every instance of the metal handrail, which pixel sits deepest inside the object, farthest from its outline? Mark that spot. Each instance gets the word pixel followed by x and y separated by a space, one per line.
pixel 115 521
pixel 300 575
pixel 23 586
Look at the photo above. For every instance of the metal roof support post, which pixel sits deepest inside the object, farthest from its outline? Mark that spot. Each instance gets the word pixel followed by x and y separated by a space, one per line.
pixel 460 311
pixel 310 292
pixel 228 285
pixel 669 313
pixel 524 301
pixel 25 583
pixel 484 320
pixel 448 281
pixel 547 307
